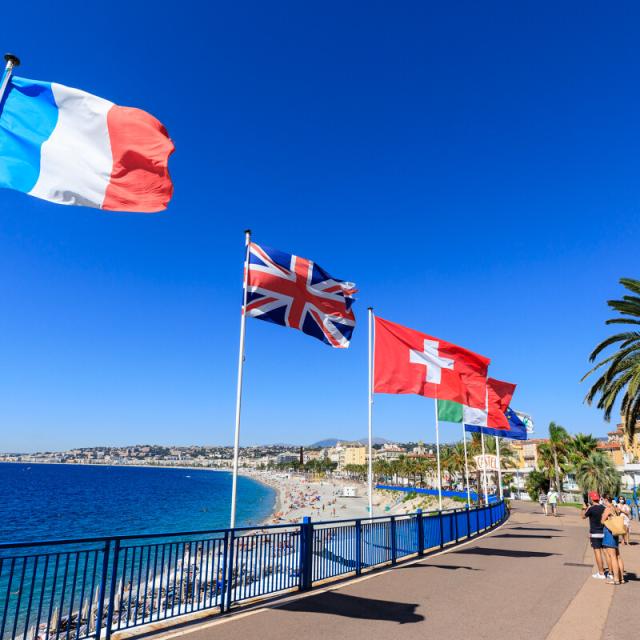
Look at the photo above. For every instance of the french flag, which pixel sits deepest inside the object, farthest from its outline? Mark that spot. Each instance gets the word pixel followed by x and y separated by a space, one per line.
pixel 71 147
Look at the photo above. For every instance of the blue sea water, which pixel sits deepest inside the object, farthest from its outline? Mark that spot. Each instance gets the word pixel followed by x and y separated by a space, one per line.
pixel 55 501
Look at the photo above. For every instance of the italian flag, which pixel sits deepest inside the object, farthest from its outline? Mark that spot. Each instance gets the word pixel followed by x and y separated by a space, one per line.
pixel 499 396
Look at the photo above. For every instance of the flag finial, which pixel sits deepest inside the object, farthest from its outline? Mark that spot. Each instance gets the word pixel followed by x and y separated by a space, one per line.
pixel 14 60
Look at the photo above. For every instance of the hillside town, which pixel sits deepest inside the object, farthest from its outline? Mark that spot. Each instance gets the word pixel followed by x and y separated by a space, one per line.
pixel 345 458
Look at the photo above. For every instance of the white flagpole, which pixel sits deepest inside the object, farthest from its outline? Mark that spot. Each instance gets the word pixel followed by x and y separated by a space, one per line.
pixel 484 470
pixel 484 466
pixel 12 63
pixel 370 474
pixel 466 465
pixel 438 454
pixel 499 468
pixel 236 439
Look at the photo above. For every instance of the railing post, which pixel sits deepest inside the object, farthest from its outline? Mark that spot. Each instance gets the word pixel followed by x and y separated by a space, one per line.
pixel 102 588
pixel 394 547
pixel 468 522
pixel 358 547
pixel 225 556
pixel 420 532
pixel 112 589
pixel 229 573
pixel 306 553
pixel 455 524
pixel 441 529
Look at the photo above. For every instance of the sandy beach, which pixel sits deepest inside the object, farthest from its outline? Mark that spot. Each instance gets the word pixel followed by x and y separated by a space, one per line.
pixel 323 499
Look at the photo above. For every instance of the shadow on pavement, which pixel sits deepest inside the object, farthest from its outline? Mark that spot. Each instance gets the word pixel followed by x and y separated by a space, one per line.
pixel 510 553
pixel 453 567
pixel 532 529
pixel 526 535
pixel 341 604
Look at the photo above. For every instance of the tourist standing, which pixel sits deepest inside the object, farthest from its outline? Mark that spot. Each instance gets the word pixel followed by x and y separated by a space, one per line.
pixel 593 511
pixel 552 497
pixel 610 545
pixel 542 499
pixel 625 512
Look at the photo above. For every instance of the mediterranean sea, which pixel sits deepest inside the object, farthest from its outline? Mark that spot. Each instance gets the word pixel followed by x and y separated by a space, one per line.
pixel 58 501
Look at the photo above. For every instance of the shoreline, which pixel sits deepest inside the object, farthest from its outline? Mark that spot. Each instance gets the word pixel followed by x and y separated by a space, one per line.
pixel 297 496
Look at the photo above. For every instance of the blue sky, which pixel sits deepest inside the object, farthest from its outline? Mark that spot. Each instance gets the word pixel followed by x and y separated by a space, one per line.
pixel 474 169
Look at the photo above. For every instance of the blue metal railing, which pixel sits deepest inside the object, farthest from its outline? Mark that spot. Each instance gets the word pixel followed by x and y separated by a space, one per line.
pixel 93 587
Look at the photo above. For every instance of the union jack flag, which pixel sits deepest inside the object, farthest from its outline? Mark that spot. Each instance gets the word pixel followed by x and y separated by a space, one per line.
pixel 296 292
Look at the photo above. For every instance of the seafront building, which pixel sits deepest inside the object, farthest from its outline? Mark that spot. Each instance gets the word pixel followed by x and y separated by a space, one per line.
pixel 390 452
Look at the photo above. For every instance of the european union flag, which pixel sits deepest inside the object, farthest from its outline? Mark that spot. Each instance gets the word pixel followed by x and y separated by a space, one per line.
pixel 517 428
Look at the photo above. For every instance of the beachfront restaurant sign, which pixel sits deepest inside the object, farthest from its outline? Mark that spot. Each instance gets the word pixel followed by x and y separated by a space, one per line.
pixel 486 462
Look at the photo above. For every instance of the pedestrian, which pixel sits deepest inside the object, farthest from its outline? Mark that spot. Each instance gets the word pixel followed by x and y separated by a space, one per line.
pixel 552 498
pixel 625 512
pixel 610 545
pixel 593 511
pixel 542 499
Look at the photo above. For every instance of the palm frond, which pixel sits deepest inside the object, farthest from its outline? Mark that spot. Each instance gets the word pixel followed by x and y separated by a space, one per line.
pixel 631 283
pixel 625 307
pixel 622 321
pixel 619 373
pixel 618 337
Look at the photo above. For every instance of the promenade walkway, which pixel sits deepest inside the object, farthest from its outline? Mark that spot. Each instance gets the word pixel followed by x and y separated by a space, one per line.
pixel 531 579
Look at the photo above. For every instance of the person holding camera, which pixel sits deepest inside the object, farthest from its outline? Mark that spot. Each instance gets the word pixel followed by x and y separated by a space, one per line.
pixel 593 512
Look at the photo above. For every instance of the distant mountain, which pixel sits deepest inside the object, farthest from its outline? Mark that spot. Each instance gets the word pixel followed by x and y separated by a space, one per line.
pixel 332 442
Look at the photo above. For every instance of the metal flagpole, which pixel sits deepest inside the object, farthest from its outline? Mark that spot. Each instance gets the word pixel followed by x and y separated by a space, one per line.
pixel 438 454
pixel 466 465
pixel 484 465
pixel 370 474
pixel 499 468
pixel 236 439
pixel 12 63
pixel 484 469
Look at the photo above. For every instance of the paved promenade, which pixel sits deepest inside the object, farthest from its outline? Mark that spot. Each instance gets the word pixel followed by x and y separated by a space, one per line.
pixel 531 579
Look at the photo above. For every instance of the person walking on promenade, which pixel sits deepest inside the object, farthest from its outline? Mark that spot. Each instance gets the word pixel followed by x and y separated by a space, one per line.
pixel 552 497
pixel 593 511
pixel 542 499
pixel 610 545
pixel 625 512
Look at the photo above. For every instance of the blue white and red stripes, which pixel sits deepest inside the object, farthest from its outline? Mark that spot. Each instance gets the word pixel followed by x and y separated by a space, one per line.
pixel 68 146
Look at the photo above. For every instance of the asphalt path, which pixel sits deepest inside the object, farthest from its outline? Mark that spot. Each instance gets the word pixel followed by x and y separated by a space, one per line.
pixel 531 578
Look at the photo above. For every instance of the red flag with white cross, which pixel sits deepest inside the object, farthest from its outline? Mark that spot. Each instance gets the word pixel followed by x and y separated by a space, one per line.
pixel 408 361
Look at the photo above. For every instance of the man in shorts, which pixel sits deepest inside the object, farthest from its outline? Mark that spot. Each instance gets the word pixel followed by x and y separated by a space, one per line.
pixel 593 511
pixel 552 497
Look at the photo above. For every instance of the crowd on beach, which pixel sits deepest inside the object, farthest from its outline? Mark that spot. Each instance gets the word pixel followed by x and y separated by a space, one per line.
pixel 334 498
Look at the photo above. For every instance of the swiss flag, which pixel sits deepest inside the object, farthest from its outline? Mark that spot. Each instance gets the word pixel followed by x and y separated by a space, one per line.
pixel 499 396
pixel 408 361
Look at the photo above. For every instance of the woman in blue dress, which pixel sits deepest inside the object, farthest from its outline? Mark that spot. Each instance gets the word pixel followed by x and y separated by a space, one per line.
pixel 610 545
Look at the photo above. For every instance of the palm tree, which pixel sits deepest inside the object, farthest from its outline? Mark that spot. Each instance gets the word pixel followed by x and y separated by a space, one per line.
pixel 382 469
pixel 453 461
pixel 622 373
pixel 598 473
pixel 536 481
pixel 581 447
pixel 558 445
